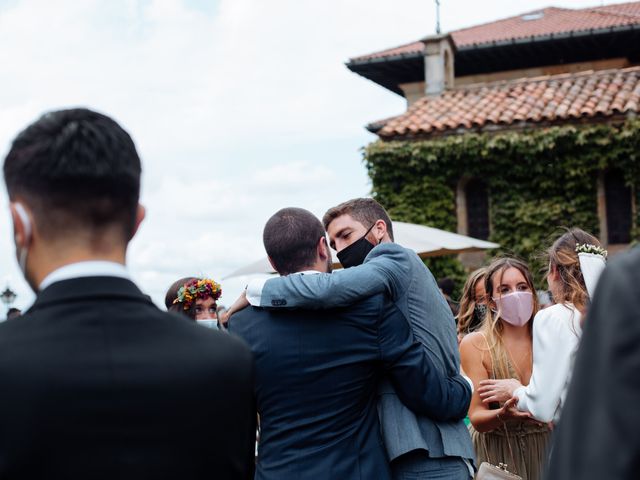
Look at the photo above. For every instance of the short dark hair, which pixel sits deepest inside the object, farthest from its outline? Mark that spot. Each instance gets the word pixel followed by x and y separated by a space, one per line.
pixel 364 210
pixel 447 285
pixel 78 170
pixel 291 238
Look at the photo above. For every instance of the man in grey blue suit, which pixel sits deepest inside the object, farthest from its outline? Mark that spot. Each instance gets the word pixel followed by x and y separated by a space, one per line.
pixel 361 231
pixel 317 372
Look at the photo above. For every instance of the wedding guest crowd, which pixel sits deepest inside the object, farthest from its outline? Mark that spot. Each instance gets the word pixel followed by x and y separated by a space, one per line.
pixel 355 374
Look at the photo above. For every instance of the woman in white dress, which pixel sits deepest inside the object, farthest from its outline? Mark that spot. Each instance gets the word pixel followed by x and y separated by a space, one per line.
pixel 576 260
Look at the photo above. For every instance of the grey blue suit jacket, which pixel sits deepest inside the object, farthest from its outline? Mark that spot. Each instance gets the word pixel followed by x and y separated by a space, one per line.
pixel 316 379
pixel 400 273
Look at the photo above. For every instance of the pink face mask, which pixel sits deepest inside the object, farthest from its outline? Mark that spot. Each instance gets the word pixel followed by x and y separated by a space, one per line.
pixel 515 308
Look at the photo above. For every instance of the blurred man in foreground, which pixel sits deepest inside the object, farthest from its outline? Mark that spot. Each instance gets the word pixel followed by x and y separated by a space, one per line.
pixel 97 383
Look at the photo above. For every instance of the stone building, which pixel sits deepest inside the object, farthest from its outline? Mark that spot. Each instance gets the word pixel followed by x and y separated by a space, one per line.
pixel 530 73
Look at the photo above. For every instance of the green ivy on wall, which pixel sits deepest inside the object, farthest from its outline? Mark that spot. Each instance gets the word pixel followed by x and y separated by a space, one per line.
pixel 538 180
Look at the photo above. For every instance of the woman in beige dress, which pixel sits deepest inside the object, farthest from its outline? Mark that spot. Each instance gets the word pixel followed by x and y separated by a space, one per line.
pixel 502 348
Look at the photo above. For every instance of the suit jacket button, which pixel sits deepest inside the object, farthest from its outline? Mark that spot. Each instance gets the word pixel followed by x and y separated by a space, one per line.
pixel 279 302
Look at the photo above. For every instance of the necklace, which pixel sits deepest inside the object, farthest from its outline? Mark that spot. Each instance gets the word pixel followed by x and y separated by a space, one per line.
pixel 524 358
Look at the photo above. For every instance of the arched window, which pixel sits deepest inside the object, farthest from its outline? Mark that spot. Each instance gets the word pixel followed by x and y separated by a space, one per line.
pixel 477 203
pixel 618 207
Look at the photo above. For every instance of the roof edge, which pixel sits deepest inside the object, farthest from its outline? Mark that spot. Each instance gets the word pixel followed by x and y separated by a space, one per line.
pixel 357 61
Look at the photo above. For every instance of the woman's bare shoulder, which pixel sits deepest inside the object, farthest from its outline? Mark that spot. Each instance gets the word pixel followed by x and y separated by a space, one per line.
pixel 475 341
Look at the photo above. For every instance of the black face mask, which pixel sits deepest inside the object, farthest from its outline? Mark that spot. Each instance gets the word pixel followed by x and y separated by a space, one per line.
pixel 354 254
pixel 480 311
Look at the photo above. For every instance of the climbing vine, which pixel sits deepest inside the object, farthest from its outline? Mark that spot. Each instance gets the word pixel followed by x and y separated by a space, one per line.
pixel 537 180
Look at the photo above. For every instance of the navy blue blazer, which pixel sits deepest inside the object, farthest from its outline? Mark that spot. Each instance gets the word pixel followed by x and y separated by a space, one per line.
pixel 316 378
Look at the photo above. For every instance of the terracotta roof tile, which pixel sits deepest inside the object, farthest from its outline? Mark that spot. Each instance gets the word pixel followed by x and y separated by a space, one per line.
pixel 539 23
pixel 542 99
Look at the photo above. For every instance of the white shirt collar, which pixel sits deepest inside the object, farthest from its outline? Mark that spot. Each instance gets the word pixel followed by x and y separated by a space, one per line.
pixel 307 272
pixel 85 269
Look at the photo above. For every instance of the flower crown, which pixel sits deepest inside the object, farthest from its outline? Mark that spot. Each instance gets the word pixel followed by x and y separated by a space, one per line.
pixel 590 248
pixel 195 289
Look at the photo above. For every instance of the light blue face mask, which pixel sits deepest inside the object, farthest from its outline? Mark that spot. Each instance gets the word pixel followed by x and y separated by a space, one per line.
pixel 208 323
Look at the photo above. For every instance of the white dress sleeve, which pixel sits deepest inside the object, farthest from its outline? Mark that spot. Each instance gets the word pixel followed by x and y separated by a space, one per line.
pixel 556 335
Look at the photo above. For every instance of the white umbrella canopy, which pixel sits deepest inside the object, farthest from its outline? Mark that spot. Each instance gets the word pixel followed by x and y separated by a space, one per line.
pixel 425 241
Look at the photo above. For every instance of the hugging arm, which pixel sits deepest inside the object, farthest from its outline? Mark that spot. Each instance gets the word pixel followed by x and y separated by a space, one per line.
pixel 419 384
pixel 385 270
pixel 554 342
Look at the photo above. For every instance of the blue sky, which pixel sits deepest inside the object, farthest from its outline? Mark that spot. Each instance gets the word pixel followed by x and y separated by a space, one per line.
pixel 238 108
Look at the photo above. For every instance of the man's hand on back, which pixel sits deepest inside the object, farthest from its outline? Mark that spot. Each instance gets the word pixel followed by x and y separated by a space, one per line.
pixel 240 304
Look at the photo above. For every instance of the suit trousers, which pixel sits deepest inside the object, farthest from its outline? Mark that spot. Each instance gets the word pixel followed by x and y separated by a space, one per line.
pixel 417 465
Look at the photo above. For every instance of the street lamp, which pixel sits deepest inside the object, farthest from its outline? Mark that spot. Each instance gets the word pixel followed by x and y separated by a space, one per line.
pixel 8 296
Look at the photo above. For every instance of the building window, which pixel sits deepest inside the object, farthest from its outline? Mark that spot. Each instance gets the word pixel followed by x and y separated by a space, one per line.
pixel 477 203
pixel 618 207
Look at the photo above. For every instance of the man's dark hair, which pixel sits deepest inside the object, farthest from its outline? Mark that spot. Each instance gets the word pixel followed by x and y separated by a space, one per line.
pixel 77 170
pixel 447 285
pixel 364 210
pixel 291 238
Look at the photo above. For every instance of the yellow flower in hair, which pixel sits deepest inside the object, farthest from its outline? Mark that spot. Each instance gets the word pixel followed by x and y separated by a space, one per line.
pixel 202 288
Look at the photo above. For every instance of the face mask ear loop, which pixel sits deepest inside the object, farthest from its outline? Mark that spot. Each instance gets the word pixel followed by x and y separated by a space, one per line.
pixel 26 223
pixel 371 228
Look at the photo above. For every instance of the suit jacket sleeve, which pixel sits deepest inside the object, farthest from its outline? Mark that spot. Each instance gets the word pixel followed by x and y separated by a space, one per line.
pixel 386 270
pixel 597 436
pixel 418 383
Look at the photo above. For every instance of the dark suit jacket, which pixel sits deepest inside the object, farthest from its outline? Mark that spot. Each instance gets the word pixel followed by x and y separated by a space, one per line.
pixel 598 436
pixel 316 381
pixel 97 383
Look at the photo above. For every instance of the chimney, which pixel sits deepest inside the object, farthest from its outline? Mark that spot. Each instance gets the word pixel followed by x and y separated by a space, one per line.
pixel 438 64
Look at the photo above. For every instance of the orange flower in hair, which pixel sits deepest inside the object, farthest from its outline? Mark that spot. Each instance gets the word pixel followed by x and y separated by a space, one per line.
pixel 198 289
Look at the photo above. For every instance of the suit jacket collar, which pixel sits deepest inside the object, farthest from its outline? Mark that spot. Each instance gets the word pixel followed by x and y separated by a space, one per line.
pixel 89 288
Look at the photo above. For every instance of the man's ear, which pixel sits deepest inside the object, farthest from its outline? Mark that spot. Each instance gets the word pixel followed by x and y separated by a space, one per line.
pixel 141 213
pixel 379 229
pixel 22 224
pixel 323 248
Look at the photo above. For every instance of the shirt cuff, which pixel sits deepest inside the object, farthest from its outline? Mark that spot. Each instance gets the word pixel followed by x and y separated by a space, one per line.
pixel 469 381
pixel 519 392
pixel 254 291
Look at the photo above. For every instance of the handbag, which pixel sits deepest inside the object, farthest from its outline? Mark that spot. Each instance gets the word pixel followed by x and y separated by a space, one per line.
pixel 488 471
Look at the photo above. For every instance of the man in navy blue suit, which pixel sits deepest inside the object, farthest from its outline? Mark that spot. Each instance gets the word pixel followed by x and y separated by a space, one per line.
pixel 317 372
